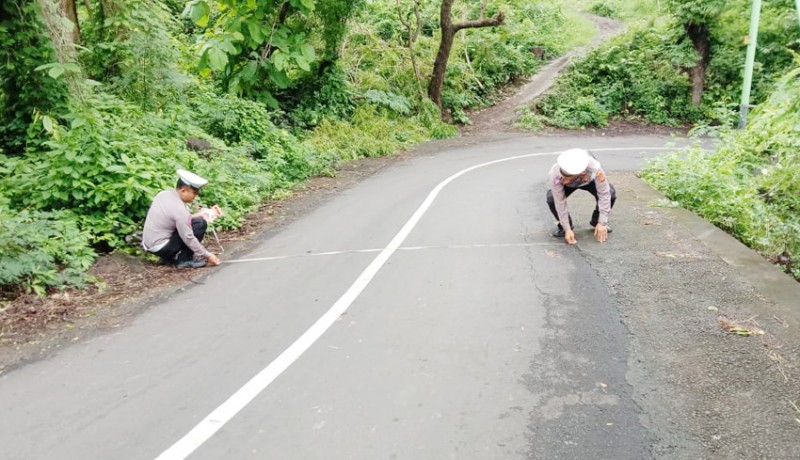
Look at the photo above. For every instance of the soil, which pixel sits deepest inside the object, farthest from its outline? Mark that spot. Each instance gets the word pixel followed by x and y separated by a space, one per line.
pixel 33 327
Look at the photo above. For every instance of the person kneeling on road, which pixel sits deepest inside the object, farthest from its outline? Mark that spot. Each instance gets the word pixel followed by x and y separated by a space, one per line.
pixel 579 169
pixel 171 232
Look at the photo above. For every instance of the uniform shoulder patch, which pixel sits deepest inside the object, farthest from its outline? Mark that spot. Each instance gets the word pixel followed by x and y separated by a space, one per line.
pixel 601 176
pixel 557 180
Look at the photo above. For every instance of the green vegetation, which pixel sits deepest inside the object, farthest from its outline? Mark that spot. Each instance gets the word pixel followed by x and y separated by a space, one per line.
pixel 103 99
pixel 255 96
pixel 750 187
pixel 678 63
pixel 632 76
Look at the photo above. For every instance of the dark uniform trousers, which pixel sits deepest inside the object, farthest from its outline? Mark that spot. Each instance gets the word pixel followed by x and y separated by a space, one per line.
pixel 176 250
pixel 591 188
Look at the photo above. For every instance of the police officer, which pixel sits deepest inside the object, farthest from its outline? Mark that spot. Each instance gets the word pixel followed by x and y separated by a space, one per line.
pixel 171 232
pixel 579 169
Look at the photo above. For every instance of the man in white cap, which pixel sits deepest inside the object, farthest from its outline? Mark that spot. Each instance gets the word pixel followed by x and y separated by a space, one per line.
pixel 171 232
pixel 579 169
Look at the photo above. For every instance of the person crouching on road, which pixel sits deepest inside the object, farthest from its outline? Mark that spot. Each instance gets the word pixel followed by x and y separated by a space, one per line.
pixel 171 232
pixel 579 169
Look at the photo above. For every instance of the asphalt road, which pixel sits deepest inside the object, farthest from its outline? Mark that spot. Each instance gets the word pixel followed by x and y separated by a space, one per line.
pixel 424 314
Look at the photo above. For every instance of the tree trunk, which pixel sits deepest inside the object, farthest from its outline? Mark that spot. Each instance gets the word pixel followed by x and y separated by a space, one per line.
pixel 448 32
pixel 71 13
pixel 53 19
pixel 701 40
pixel 440 64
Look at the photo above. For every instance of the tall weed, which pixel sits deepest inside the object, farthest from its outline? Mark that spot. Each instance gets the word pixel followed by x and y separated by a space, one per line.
pixel 372 131
pixel 40 250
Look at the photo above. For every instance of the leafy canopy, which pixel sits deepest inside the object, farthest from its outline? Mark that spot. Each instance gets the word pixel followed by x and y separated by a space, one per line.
pixel 255 48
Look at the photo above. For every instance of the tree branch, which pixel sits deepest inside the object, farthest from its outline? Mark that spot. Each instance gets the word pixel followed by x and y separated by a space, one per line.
pixel 280 20
pixel 482 22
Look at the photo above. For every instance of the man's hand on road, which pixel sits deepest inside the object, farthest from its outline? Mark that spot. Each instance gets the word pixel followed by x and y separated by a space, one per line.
pixel 601 233
pixel 569 236
pixel 213 260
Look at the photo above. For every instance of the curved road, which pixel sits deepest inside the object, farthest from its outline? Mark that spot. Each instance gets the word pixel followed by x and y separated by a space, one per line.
pixel 426 313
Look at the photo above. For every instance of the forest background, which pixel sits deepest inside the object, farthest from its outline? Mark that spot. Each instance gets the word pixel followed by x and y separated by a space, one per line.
pixel 103 99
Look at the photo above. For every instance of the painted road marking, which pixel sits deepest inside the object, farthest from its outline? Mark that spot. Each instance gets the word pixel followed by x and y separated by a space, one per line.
pixel 238 400
pixel 406 248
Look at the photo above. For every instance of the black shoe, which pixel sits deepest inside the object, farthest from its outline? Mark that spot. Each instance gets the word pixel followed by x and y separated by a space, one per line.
pixel 194 263
pixel 558 232
pixel 163 261
pixel 608 227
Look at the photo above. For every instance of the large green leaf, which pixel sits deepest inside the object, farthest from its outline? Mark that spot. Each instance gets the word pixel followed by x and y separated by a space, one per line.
pixel 279 77
pixel 255 32
pixel 200 13
pixel 308 52
pixel 303 5
pixel 56 71
pixel 228 47
pixel 279 60
pixel 302 63
pixel 248 72
pixel 217 59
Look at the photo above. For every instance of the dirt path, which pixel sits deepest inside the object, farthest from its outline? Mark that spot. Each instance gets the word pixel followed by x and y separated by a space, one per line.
pixel 32 327
pixel 501 117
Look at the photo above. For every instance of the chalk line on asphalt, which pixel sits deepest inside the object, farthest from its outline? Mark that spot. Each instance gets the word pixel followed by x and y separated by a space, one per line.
pixel 405 248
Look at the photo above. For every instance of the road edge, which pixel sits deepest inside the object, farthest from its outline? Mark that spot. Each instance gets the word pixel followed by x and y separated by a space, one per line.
pixel 778 287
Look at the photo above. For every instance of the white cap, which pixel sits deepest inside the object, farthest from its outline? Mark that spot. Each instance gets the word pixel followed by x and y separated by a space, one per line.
pixel 191 179
pixel 573 161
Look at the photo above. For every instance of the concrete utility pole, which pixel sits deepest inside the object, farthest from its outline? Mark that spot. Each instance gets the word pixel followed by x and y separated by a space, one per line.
pixel 744 107
pixel 797 8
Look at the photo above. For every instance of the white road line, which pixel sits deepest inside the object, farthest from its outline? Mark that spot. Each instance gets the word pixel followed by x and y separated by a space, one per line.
pixel 237 401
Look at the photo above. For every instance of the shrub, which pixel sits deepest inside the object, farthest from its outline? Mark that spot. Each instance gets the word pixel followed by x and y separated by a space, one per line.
pixel 24 46
pixel 232 119
pixel 371 132
pixel 749 186
pixel 102 167
pixel 631 76
pixel 574 113
pixel 529 120
pixel 603 9
pixel 315 98
pixel 39 250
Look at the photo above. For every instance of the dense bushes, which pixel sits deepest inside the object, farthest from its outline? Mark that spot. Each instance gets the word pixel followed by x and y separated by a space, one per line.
pixel 632 75
pixel 751 185
pixel 481 60
pixel 373 131
pixel 644 74
pixel 102 165
pixel 603 9
pixel 39 250
pixel 83 152
pixel 23 90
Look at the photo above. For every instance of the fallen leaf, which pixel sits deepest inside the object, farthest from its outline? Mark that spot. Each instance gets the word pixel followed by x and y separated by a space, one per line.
pixel 732 327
